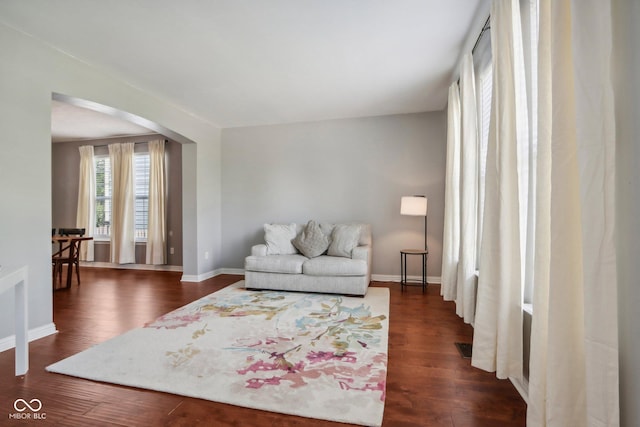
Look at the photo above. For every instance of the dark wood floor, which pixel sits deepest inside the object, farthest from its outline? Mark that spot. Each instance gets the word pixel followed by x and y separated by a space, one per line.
pixel 428 383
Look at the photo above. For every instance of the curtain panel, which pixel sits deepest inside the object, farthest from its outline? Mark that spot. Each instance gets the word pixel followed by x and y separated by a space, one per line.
pixel 574 347
pixel 123 203
pixel 156 240
pixel 466 281
pixel 451 240
pixel 497 339
pixel 85 214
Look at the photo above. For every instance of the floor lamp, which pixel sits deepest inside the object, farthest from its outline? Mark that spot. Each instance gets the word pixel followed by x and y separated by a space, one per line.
pixel 416 206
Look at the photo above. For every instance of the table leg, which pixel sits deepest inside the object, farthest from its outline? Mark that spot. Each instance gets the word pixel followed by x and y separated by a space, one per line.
pixel 22 340
pixel 69 271
pixel 403 271
pixel 424 273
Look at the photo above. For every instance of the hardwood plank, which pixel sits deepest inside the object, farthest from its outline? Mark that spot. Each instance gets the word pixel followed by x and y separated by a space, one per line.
pixel 428 383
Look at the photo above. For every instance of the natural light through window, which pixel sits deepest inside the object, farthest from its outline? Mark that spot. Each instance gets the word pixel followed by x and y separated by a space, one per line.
pixel 104 193
pixel 484 118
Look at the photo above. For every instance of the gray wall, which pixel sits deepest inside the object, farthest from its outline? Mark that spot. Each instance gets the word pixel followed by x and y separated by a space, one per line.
pixel 336 170
pixel 65 163
pixel 627 91
pixel 31 72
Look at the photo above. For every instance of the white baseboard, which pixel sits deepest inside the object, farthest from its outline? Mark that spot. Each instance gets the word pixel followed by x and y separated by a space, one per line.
pixel 194 278
pixel 131 266
pixel 522 385
pixel 34 334
pixel 209 274
pixel 235 271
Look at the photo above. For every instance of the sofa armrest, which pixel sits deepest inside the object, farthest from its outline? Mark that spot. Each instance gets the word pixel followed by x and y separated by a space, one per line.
pixel 259 250
pixel 362 252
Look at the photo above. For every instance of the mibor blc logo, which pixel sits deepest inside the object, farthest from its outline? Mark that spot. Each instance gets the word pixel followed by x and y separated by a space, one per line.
pixel 27 410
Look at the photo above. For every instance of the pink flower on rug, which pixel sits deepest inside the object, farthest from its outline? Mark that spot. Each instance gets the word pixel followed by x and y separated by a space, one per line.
pixel 380 386
pixel 259 382
pixel 279 365
pixel 325 356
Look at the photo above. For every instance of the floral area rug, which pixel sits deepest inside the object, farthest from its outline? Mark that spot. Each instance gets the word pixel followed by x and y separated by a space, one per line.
pixel 312 355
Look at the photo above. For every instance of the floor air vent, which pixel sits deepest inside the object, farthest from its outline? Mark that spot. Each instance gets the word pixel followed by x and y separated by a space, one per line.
pixel 465 349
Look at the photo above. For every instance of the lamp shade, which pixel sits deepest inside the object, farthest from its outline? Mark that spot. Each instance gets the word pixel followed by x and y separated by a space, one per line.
pixel 413 205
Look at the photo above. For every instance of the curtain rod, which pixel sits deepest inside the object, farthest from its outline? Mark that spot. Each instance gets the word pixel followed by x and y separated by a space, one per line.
pixel 135 143
pixel 485 27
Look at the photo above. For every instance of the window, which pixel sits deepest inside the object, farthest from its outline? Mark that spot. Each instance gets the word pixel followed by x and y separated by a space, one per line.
pixel 484 87
pixel 483 69
pixel 529 154
pixel 103 197
pixel 104 190
pixel 141 161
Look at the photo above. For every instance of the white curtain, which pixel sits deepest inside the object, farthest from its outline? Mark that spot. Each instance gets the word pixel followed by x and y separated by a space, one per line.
pixel 574 348
pixel 156 242
pixel 451 240
pixel 123 203
pixel 497 339
pixel 466 281
pixel 85 214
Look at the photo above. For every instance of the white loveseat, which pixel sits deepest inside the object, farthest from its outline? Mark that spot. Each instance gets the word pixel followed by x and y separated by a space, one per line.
pixel 292 258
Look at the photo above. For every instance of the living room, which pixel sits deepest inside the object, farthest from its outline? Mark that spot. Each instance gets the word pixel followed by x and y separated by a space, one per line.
pixel 314 169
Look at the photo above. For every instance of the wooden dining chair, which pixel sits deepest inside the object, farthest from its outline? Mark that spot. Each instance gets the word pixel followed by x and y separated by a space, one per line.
pixel 58 260
pixel 69 255
pixel 72 232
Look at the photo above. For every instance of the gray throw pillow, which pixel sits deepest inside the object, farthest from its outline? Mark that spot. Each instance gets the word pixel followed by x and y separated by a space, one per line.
pixel 311 241
pixel 344 239
pixel 278 238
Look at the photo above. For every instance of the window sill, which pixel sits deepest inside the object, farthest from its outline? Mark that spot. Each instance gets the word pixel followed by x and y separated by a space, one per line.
pixel 526 307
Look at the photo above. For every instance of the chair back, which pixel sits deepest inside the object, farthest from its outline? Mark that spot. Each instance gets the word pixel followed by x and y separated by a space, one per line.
pixel 72 232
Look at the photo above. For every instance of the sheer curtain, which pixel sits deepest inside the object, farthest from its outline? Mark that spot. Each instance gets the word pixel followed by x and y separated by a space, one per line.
pixel 451 241
pixel 466 281
pixel 123 203
pixel 156 242
pixel 497 339
pixel 574 347
pixel 85 214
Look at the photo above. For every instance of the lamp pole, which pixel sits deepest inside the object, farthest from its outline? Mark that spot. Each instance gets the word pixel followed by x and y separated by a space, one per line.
pixel 425 233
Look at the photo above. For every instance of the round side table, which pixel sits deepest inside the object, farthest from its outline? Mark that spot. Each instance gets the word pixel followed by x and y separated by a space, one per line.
pixel 424 253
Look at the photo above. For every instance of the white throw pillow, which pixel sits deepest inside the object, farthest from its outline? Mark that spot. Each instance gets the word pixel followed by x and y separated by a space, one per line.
pixel 311 242
pixel 344 239
pixel 278 238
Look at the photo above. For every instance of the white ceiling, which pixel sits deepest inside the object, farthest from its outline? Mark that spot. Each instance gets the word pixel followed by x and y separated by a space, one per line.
pixel 73 123
pixel 252 62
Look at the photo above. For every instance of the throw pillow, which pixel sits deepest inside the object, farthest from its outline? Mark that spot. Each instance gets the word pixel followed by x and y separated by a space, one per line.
pixel 344 239
pixel 311 242
pixel 278 238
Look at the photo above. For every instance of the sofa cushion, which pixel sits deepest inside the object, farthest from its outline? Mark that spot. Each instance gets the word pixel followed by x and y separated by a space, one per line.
pixel 291 264
pixel 278 238
pixel 334 266
pixel 311 241
pixel 343 239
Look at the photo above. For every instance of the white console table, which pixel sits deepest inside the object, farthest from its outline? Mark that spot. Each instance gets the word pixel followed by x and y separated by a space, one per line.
pixel 12 277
